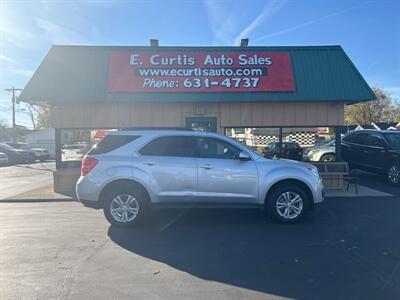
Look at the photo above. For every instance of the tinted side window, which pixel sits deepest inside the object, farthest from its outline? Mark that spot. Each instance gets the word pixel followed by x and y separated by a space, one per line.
pixel 360 138
pixel 375 140
pixel 215 148
pixel 183 146
pixel 111 142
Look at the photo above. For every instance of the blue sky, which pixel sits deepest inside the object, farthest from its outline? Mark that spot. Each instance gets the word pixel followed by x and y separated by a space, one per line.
pixel 369 31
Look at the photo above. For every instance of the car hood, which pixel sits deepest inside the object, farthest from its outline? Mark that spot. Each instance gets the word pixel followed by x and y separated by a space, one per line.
pixel 37 149
pixel 283 161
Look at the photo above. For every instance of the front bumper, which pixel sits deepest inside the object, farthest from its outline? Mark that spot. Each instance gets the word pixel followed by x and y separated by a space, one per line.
pixel 319 193
pixel 91 204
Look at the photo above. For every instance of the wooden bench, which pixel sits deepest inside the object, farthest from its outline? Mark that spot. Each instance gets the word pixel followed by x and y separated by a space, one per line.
pixel 336 174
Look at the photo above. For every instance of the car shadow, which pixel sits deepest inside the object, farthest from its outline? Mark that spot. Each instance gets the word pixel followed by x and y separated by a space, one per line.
pixel 241 249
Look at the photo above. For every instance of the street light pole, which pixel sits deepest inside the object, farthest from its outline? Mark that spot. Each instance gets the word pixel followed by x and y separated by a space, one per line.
pixel 13 90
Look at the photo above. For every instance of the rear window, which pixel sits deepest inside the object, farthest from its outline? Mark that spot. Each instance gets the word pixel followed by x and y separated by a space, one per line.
pixel 111 142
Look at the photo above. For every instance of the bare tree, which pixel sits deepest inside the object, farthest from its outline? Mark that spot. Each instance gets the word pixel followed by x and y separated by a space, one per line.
pixel 39 115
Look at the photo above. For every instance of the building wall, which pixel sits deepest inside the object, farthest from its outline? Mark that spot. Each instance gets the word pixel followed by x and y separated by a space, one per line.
pixel 43 139
pixel 173 114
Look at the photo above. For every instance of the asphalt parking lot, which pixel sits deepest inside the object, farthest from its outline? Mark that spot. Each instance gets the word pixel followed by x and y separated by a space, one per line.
pixel 19 180
pixel 348 249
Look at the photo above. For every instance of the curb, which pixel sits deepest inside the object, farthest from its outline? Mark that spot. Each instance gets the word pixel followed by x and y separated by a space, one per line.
pixel 37 200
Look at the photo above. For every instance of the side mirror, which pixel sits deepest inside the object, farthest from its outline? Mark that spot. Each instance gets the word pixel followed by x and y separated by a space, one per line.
pixel 243 156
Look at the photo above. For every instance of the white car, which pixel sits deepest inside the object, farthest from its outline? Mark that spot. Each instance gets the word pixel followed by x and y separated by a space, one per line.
pixel 323 153
pixel 130 172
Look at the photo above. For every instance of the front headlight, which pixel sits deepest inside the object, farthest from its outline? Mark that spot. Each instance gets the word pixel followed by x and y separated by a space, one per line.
pixel 311 152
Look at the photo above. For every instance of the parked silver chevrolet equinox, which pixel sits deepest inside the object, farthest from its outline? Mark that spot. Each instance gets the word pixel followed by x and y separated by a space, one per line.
pixel 130 172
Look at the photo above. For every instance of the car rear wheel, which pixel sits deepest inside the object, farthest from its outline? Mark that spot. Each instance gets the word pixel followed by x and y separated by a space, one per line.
pixel 288 203
pixel 328 158
pixel 393 174
pixel 124 207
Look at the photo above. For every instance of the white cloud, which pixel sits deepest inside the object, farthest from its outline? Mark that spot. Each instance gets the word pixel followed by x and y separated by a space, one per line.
pixel 270 9
pixel 6 58
pixel 225 21
pixel 222 20
pixel 310 22
pixel 57 33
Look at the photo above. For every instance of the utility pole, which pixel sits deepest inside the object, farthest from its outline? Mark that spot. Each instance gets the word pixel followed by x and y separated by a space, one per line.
pixel 13 90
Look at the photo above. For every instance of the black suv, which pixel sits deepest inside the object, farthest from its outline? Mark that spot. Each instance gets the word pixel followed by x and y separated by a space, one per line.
pixel 374 150
pixel 290 150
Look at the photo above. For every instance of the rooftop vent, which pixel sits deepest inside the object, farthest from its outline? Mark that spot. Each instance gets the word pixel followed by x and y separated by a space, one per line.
pixel 153 42
pixel 244 42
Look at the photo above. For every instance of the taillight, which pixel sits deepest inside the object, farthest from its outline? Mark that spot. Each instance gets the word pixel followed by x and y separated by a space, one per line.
pixel 88 164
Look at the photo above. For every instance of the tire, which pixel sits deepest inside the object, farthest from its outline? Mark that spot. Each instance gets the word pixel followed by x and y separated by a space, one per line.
pixel 277 201
pixel 328 158
pixel 393 174
pixel 129 200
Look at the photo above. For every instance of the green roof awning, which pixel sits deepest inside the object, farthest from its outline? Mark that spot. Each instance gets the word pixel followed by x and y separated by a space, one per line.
pixel 80 74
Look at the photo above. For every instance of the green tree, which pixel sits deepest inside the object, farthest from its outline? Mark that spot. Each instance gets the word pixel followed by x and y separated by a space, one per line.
pixel 383 109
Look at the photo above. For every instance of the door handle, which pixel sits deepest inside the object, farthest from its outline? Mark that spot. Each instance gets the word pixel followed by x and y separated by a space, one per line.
pixel 207 166
pixel 149 163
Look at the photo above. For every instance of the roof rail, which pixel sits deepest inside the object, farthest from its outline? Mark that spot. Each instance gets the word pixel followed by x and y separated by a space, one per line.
pixel 155 128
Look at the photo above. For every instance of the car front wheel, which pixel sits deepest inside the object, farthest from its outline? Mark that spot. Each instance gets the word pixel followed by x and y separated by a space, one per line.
pixel 124 208
pixel 393 174
pixel 288 203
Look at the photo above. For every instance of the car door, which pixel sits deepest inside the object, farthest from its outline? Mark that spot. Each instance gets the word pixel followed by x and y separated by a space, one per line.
pixel 353 152
pixel 170 167
pixel 222 177
pixel 374 151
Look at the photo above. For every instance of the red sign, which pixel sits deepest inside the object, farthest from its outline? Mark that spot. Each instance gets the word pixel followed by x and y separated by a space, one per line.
pixel 200 71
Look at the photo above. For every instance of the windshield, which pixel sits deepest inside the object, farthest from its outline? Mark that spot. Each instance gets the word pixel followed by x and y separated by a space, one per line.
pixel 330 144
pixel 393 139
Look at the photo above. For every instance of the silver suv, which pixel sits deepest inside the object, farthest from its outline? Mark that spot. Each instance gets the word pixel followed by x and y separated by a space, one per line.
pixel 130 172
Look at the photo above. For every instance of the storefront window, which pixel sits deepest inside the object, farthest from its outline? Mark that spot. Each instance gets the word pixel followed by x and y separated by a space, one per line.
pixel 315 144
pixel 75 143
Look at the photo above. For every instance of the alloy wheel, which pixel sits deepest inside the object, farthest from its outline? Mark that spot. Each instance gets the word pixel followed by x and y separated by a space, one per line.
pixel 394 174
pixel 289 205
pixel 124 208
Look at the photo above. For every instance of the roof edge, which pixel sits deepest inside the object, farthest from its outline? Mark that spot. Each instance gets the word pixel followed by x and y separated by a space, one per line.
pixel 358 74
